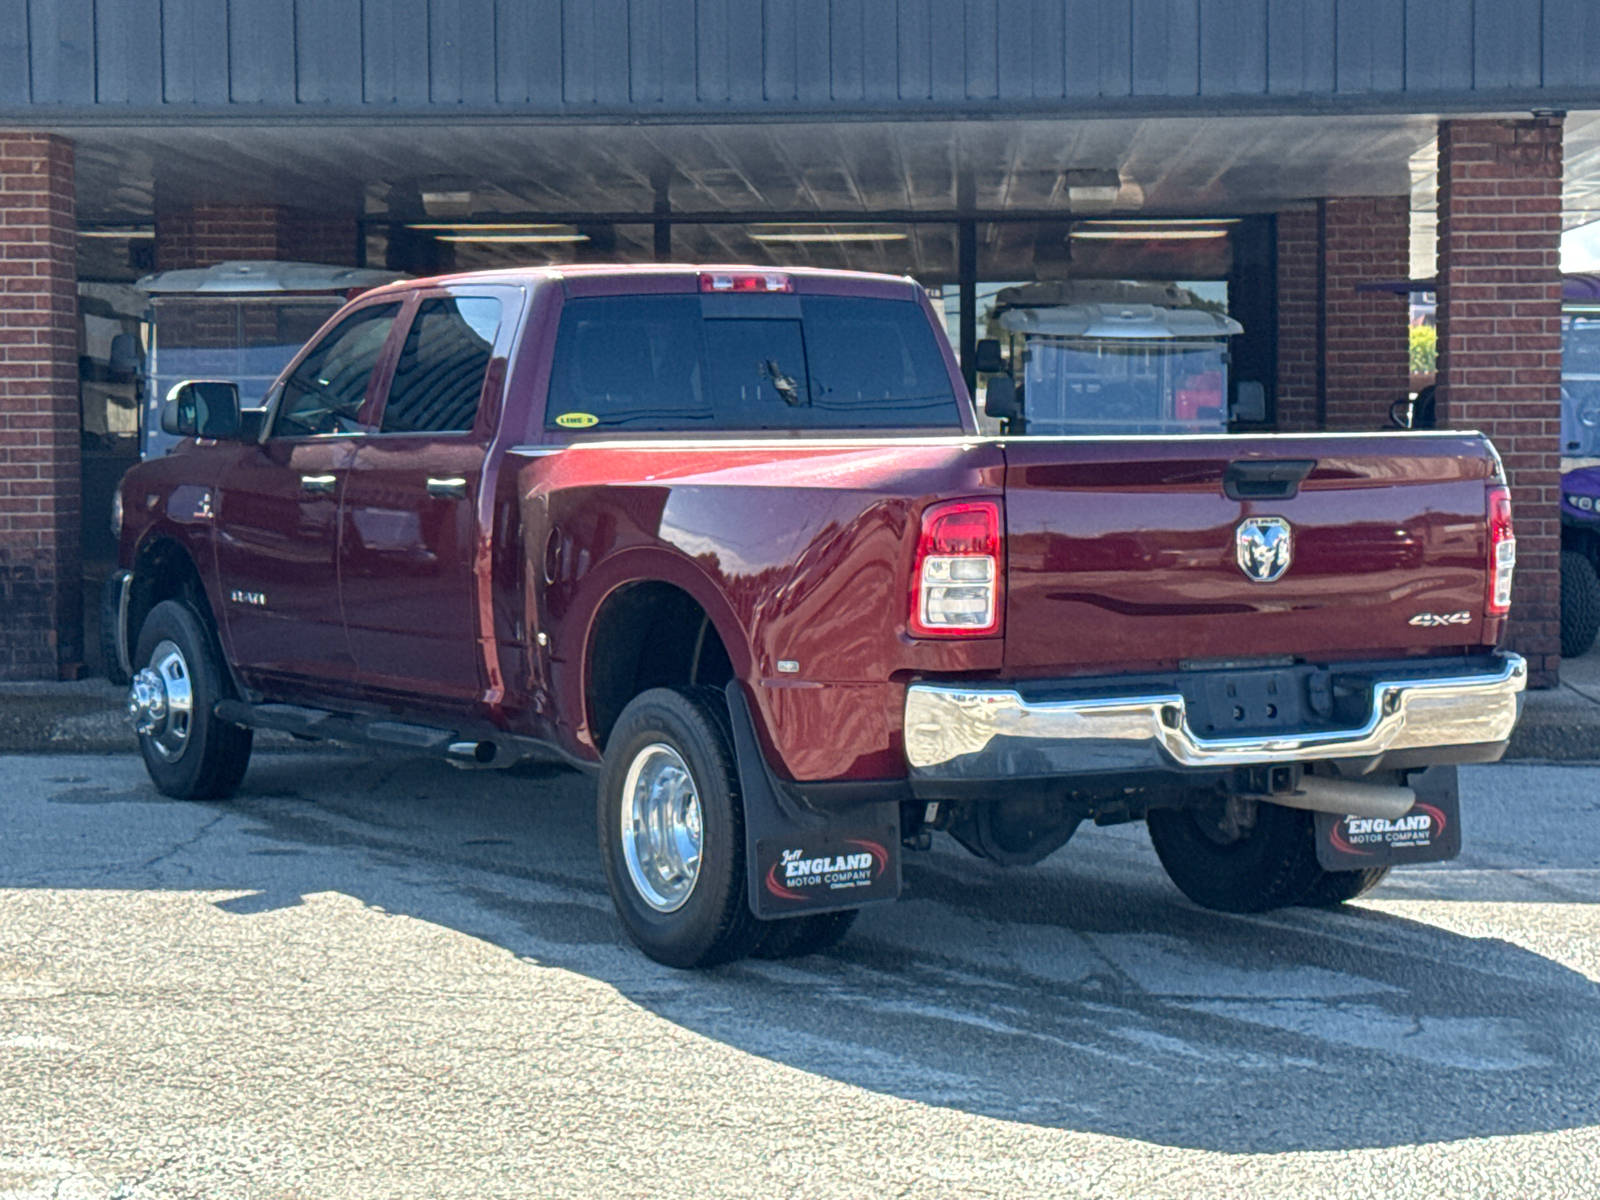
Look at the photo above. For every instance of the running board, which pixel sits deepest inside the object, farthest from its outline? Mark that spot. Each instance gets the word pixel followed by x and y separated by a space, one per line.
pixel 301 721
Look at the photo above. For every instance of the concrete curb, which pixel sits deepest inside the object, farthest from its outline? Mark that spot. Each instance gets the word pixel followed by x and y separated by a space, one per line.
pixel 89 717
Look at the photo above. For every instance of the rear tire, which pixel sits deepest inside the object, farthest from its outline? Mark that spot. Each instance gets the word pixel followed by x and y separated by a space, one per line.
pixel 1336 887
pixel 1580 604
pixel 796 937
pixel 672 829
pixel 1271 865
pixel 190 754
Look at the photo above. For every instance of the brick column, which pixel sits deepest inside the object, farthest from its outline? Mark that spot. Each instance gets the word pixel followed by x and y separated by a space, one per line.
pixel 1343 357
pixel 1499 321
pixel 1366 347
pixel 41 605
pixel 203 235
pixel 1300 319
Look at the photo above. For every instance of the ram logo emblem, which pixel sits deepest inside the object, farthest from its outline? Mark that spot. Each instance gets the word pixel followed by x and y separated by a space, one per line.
pixel 1264 547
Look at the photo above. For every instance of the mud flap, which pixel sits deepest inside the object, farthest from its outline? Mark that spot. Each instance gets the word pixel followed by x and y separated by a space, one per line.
pixel 800 861
pixel 1430 832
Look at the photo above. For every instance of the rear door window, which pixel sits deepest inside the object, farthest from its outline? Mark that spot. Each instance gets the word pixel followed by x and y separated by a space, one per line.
pixel 438 378
pixel 748 364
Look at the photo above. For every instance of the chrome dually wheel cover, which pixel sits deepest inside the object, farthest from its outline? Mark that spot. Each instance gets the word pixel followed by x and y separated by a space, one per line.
pixel 661 827
pixel 161 701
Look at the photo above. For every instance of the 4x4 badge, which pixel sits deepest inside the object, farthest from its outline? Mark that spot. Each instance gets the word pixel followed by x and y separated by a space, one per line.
pixel 1264 548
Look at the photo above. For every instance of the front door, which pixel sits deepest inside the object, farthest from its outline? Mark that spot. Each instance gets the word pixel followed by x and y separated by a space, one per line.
pixel 277 524
pixel 413 539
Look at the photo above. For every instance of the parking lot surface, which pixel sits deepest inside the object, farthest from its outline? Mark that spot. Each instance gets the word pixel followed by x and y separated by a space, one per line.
pixel 383 977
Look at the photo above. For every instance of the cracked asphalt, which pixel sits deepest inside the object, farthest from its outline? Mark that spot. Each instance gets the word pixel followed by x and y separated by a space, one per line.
pixel 373 977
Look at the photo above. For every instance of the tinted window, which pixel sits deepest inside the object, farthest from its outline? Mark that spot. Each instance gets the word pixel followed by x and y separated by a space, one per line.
pixel 438 380
pixel 723 362
pixel 631 362
pixel 329 386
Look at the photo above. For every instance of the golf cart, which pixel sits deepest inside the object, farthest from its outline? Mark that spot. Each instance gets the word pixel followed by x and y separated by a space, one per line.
pixel 1111 358
pixel 241 321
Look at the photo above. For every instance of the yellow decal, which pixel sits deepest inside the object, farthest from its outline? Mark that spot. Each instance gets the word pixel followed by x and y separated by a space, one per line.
pixel 577 420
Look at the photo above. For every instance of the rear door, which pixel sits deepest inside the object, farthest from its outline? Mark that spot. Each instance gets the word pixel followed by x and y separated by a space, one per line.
pixel 1129 554
pixel 413 545
pixel 277 528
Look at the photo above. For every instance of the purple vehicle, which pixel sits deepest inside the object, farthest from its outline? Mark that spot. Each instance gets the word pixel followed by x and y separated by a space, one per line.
pixel 1580 463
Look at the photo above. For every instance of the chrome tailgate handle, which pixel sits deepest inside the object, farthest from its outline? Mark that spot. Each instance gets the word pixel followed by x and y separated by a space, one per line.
pixel 454 488
pixel 319 485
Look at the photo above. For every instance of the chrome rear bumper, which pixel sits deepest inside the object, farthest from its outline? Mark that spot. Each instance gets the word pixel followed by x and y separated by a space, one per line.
pixel 963 733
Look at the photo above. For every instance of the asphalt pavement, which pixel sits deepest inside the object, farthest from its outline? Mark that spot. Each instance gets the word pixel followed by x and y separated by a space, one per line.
pixel 375 976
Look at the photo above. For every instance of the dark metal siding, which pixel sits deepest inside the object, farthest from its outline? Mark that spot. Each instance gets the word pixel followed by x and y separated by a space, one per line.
pixel 639 58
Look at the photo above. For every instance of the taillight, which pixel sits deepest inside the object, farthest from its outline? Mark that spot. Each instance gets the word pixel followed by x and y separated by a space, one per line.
pixel 765 281
pixel 1502 551
pixel 956 585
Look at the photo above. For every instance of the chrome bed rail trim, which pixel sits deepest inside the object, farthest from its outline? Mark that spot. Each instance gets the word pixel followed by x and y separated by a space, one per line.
pixel 993 733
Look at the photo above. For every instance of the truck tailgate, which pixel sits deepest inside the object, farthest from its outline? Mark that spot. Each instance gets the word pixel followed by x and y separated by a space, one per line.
pixel 1124 554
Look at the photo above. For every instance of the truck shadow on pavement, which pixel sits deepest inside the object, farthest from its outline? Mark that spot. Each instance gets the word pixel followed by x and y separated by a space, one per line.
pixel 1084 994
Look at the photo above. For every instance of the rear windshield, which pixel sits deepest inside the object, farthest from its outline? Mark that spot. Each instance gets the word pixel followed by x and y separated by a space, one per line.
pixel 747 363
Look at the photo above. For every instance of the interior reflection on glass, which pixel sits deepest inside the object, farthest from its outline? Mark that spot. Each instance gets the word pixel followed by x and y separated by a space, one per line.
pixel 1089 387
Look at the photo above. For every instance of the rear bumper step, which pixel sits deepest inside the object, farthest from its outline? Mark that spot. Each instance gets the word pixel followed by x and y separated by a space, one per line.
pixel 962 734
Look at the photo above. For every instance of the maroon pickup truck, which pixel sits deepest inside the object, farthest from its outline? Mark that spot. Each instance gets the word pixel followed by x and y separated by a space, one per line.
pixel 732 539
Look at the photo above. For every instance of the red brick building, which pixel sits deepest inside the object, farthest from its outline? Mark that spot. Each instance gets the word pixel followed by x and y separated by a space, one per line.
pixel 886 137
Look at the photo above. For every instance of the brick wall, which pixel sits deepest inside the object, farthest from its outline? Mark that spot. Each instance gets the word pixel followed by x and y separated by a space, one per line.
pixel 206 234
pixel 1500 341
pixel 1342 354
pixel 41 625
pixel 1299 319
pixel 1366 354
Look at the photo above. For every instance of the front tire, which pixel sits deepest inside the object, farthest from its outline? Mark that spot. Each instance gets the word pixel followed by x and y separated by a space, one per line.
pixel 189 752
pixel 671 823
pixel 1580 604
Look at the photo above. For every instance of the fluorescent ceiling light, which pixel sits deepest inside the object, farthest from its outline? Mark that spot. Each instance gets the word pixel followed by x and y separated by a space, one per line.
pixel 521 238
pixel 487 227
pixel 117 233
pixel 1163 223
pixel 1149 235
pixel 804 234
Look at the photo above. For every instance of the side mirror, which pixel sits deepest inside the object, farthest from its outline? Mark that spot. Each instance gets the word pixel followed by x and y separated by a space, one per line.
pixel 1250 401
pixel 125 357
pixel 988 359
pixel 206 408
pixel 1000 400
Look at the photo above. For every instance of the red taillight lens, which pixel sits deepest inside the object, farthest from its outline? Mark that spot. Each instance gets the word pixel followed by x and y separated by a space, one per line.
pixel 956 585
pixel 766 281
pixel 1502 551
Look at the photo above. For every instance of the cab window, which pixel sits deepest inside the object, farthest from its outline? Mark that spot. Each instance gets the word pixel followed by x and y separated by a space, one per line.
pixel 325 392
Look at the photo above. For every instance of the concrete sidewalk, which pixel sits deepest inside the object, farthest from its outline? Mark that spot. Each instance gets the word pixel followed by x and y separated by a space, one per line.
pixel 89 717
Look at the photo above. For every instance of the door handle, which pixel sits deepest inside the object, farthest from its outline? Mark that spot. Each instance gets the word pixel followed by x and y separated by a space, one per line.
pixel 454 488
pixel 319 485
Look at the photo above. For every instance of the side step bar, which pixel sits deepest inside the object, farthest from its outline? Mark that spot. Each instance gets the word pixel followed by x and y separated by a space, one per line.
pixel 456 748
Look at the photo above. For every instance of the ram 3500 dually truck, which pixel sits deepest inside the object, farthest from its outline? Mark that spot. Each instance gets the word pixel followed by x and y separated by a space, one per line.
pixel 731 538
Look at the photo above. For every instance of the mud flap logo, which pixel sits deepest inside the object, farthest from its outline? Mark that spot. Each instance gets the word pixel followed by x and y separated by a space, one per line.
pixel 1430 832
pixel 821 871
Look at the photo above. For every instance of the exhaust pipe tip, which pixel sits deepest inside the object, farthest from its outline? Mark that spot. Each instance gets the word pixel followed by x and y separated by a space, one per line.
pixel 1347 799
pixel 476 754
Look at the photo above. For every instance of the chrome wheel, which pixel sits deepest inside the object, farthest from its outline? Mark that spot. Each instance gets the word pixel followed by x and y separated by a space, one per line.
pixel 161 701
pixel 661 827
